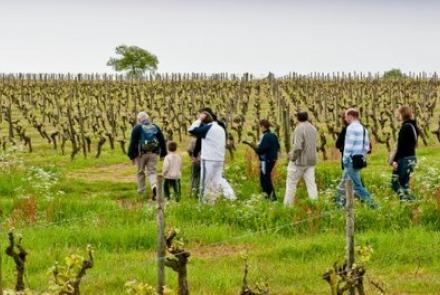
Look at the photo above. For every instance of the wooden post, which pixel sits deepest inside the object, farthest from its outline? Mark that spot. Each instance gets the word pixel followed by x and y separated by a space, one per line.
pixel 349 229
pixel 161 248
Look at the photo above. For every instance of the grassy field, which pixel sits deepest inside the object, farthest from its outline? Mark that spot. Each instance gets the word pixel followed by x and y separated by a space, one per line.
pixel 60 207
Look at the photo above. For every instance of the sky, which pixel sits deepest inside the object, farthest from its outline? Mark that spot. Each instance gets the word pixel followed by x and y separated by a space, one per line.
pixel 210 36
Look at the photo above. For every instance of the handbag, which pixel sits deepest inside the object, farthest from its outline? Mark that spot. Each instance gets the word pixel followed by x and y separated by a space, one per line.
pixel 359 161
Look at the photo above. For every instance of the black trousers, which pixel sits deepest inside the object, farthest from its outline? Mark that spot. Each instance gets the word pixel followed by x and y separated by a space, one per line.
pixel 175 185
pixel 266 168
pixel 400 177
pixel 195 179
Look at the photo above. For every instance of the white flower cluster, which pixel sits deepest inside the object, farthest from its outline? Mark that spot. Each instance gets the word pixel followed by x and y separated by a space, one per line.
pixel 42 182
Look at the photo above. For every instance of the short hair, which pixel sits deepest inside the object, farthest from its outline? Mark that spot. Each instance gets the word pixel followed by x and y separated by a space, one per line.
pixel 265 123
pixel 352 112
pixel 143 117
pixel 172 146
pixel 302 116
pixel 406 113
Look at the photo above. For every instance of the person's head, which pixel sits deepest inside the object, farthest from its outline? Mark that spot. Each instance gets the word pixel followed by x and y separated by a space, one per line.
pixel 264 124
pixel 143 118
pixel 351 115
pixel 404 113
pixel 343 121
pixel 302 116
pixel 207 115
pixel 172 146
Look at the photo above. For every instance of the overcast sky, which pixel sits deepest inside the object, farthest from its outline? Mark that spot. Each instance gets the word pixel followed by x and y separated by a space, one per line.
pixel 222 35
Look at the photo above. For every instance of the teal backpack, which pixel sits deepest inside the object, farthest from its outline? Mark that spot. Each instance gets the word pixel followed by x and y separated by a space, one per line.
pixel 148 141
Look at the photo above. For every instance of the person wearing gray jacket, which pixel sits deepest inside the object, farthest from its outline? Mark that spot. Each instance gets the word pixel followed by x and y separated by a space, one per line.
pixel 302 159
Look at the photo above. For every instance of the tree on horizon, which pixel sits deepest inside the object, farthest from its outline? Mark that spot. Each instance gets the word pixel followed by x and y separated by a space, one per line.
pixel 134 60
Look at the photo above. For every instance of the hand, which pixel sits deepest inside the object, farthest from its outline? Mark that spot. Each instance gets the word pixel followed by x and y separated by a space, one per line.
pixel 395 166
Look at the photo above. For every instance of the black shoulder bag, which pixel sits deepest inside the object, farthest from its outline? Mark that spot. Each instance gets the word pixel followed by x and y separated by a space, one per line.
pixel 359 161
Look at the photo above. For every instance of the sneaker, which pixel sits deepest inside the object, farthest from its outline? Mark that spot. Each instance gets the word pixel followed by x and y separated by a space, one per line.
pixel 407 198
pixel 340 203
pixel 405 195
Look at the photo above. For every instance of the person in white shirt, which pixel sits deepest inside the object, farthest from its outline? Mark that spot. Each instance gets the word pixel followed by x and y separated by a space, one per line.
pixel 172 172
pixel 212 155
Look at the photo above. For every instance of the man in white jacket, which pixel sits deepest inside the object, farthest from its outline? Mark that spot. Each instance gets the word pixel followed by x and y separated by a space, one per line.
pixel 212 156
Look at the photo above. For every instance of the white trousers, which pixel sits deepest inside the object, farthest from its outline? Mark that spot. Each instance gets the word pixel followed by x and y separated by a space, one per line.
pixel 294 174
pixel 212 183
pixel 226 190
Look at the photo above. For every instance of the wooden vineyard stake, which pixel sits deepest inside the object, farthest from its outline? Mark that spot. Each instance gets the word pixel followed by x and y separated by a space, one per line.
pixel 161 247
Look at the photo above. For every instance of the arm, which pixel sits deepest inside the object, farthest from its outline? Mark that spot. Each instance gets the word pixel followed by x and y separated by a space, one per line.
pixel 191 148
pixel 133 146
pixel 298 144
pixel 366 142
pixel 278 144
pixel 263 146
pixel 198 130
pixel 340 140
pixel 348 145
pixel 402 141
pixel 166 165
pixel 162 143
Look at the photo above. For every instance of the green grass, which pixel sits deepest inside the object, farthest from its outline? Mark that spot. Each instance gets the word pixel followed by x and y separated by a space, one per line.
pixel 287 248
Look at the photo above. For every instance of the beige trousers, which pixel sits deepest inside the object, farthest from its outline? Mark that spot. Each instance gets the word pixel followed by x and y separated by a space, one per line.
pixel 146 161
pixel 294 174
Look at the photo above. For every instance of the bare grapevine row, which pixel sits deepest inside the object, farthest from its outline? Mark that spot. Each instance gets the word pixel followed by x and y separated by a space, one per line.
pixel 85 113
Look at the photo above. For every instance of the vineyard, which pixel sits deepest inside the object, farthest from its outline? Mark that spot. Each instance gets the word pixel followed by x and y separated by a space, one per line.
pixel 88 113
pixel 68 196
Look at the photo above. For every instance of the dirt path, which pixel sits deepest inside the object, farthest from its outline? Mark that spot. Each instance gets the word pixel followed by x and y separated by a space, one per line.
pixel 124 173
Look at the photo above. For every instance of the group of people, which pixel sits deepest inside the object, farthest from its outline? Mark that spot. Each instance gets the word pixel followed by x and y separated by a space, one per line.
pixel 207 152
pixel 208 149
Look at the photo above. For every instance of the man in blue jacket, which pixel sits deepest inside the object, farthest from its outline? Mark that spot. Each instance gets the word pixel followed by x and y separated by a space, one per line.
pixel 146 144
pixel 267 150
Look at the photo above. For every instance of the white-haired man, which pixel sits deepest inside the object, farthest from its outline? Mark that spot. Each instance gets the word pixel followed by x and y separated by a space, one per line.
pixel 146 144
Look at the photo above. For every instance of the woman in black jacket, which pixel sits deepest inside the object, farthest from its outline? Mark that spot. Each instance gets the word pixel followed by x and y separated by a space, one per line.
pixel 404 159
pixel 340 141
pixel 267 150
